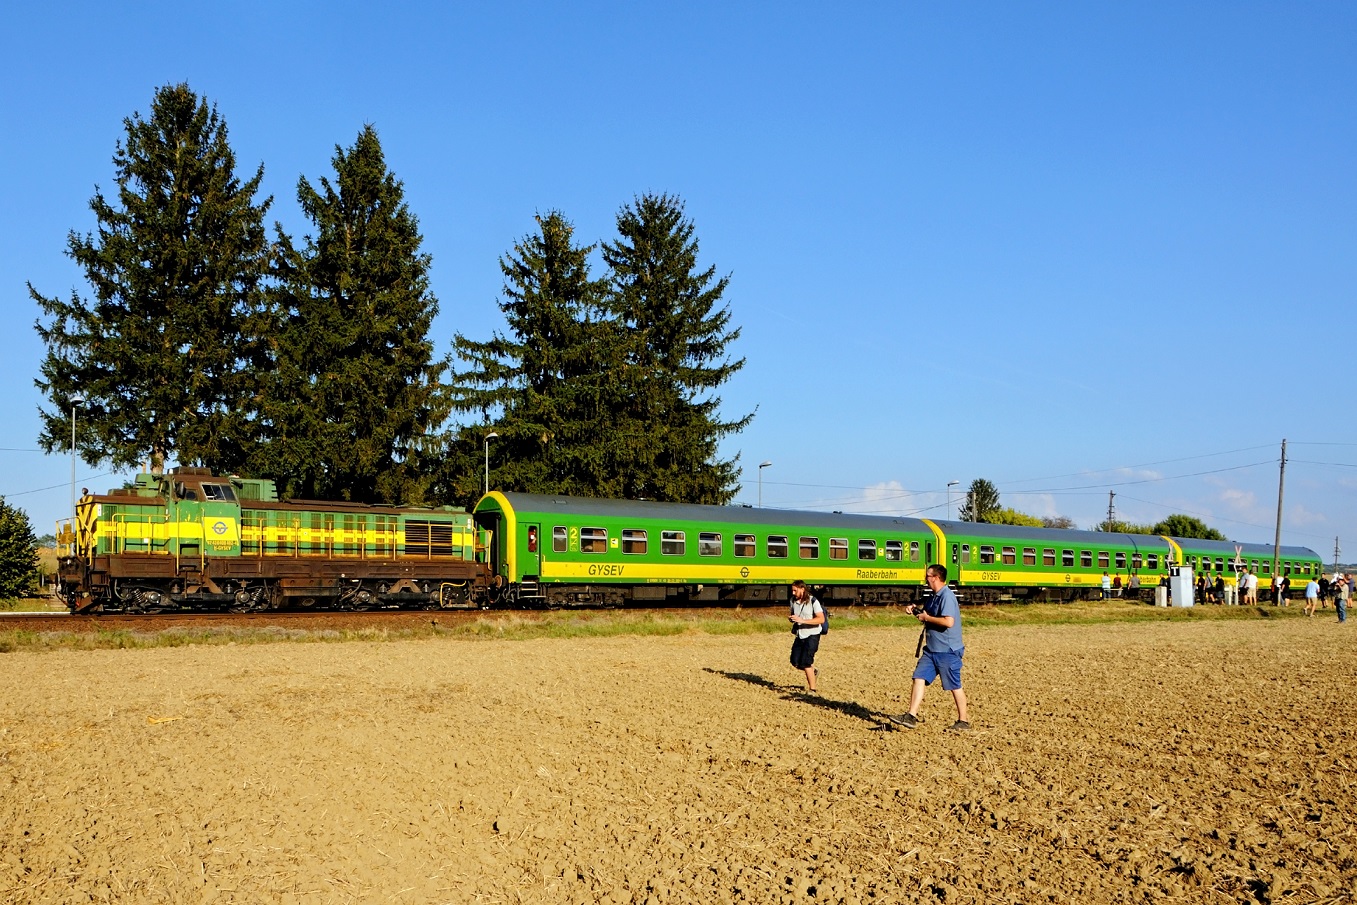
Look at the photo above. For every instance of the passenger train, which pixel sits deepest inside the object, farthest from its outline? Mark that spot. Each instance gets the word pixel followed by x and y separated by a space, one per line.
pixel 191 541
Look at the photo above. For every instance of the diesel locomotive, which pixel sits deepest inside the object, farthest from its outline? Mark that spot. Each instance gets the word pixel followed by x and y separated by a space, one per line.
pixel 192 541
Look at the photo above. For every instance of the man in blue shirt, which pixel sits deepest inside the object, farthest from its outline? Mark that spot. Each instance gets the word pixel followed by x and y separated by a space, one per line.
pixel 942 650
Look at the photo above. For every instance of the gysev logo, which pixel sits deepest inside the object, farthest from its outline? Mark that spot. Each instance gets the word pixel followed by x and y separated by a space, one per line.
pixel 219 528
pixel 744 573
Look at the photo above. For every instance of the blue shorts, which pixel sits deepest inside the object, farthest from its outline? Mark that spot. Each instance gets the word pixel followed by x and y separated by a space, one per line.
pixel 947 665
pixel 804 650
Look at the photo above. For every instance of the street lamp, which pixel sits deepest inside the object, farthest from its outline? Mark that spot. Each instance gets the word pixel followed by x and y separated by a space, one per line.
pixel 762 465
pixel 488 437
pixel 950 485
pixel 76 401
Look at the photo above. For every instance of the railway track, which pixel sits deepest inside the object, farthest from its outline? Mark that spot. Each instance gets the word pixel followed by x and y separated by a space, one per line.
pixel 327 620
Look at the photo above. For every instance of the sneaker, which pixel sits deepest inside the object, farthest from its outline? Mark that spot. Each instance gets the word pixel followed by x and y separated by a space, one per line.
pixel 959 726
pixel 908 720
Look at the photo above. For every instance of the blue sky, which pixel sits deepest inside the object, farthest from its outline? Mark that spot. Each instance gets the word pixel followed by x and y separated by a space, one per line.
pixel 1071 248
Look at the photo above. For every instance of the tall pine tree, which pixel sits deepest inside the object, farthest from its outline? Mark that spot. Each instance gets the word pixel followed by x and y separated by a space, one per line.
pixel 540 385
pixel 354 394
pixel 664 438
pixel 162 354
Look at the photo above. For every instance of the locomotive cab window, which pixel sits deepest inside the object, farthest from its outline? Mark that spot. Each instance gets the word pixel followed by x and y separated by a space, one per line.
pixel 777 546
pixel 220 492
pixel 838 548
pixel 810 548
pixel 672 543
pixel 708 544
pixel 593 540
pixel 1010 556
pixel 867 549
pixel 986 555
pixel 633 540
pixel 560 539
pixel 1029 556
pixel 744 545
pixel 895 550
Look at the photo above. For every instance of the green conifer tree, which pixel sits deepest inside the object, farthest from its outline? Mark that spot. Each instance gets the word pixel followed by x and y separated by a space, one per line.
pixel 354 394
pixel 541 386
pixel 18 553
pixel 982 501
pixel 664 434
pixel 163 353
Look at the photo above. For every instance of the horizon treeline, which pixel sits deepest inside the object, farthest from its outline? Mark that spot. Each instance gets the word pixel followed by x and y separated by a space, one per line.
pixel 208 339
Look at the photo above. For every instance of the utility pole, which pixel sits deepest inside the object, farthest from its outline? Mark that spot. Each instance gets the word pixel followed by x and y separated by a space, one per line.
pixel 1277 539
pixel 1111 513
pixel 1336 552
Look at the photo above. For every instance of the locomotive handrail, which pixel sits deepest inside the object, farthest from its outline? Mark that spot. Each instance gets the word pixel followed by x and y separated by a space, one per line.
pixel 120 521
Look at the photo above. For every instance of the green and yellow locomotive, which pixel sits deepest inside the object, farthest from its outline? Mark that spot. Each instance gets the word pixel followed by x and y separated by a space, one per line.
pixel 192 541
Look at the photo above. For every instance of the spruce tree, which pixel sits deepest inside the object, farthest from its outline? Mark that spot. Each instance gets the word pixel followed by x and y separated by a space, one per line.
pixel 664 435
pixel 355 391
pixel 541 385
pixel 18 553
pixel 982 501
pixel 164 353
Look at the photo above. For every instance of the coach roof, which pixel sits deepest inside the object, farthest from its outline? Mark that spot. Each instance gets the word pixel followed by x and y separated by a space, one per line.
pixel 524 504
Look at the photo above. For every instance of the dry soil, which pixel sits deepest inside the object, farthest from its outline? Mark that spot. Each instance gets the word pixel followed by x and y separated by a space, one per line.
pixel 1184 761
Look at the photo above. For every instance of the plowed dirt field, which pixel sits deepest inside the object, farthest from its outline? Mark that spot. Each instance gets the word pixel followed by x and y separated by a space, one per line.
pixel 1184 761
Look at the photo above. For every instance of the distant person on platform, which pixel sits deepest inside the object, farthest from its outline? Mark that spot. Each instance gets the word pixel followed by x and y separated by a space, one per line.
pixel 1107 586
pixel 1135 585
pixel 1344 593
pixel 1220 589
pixel 806 618
pixel 941 650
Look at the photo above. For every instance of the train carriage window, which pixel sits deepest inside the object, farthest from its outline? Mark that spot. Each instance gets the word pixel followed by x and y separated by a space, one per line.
pixel 744 545
pixel 838 548
pixel 1048 557
pixel 708 544
pixel 1067 558
pixel 986 554
pixel 867 549
pixel 1267 567
pixel 810 548
pixel 777 546
pixel 1086 558
pixel 1029 556
pixel 1135 560
pixel 1121 560
pixel 593 540
pixel 965 552
pixel 673 543
pixel 634 540
pixel 1010 556
pixel 1220 564
pixel 560 539
pixel 895 551
pixel 1104 559
pixel 1152 561
pixel 913 551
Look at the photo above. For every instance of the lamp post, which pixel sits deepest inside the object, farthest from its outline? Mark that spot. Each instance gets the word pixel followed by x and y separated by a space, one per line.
pixel 488 438
pixel 76 401
pixel 950 485
pixel 762 465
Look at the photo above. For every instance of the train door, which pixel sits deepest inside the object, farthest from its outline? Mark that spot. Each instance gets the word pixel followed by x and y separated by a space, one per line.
pixel 531 566
pixel 491 523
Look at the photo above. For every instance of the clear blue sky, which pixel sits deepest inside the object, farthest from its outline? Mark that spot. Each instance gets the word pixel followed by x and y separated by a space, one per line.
pixel 1068 247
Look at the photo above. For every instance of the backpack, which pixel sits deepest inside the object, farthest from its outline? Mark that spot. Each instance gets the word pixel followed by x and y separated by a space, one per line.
pixel 824 626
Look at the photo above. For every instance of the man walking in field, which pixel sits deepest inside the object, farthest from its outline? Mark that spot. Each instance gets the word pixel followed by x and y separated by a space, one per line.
pixel 942 650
